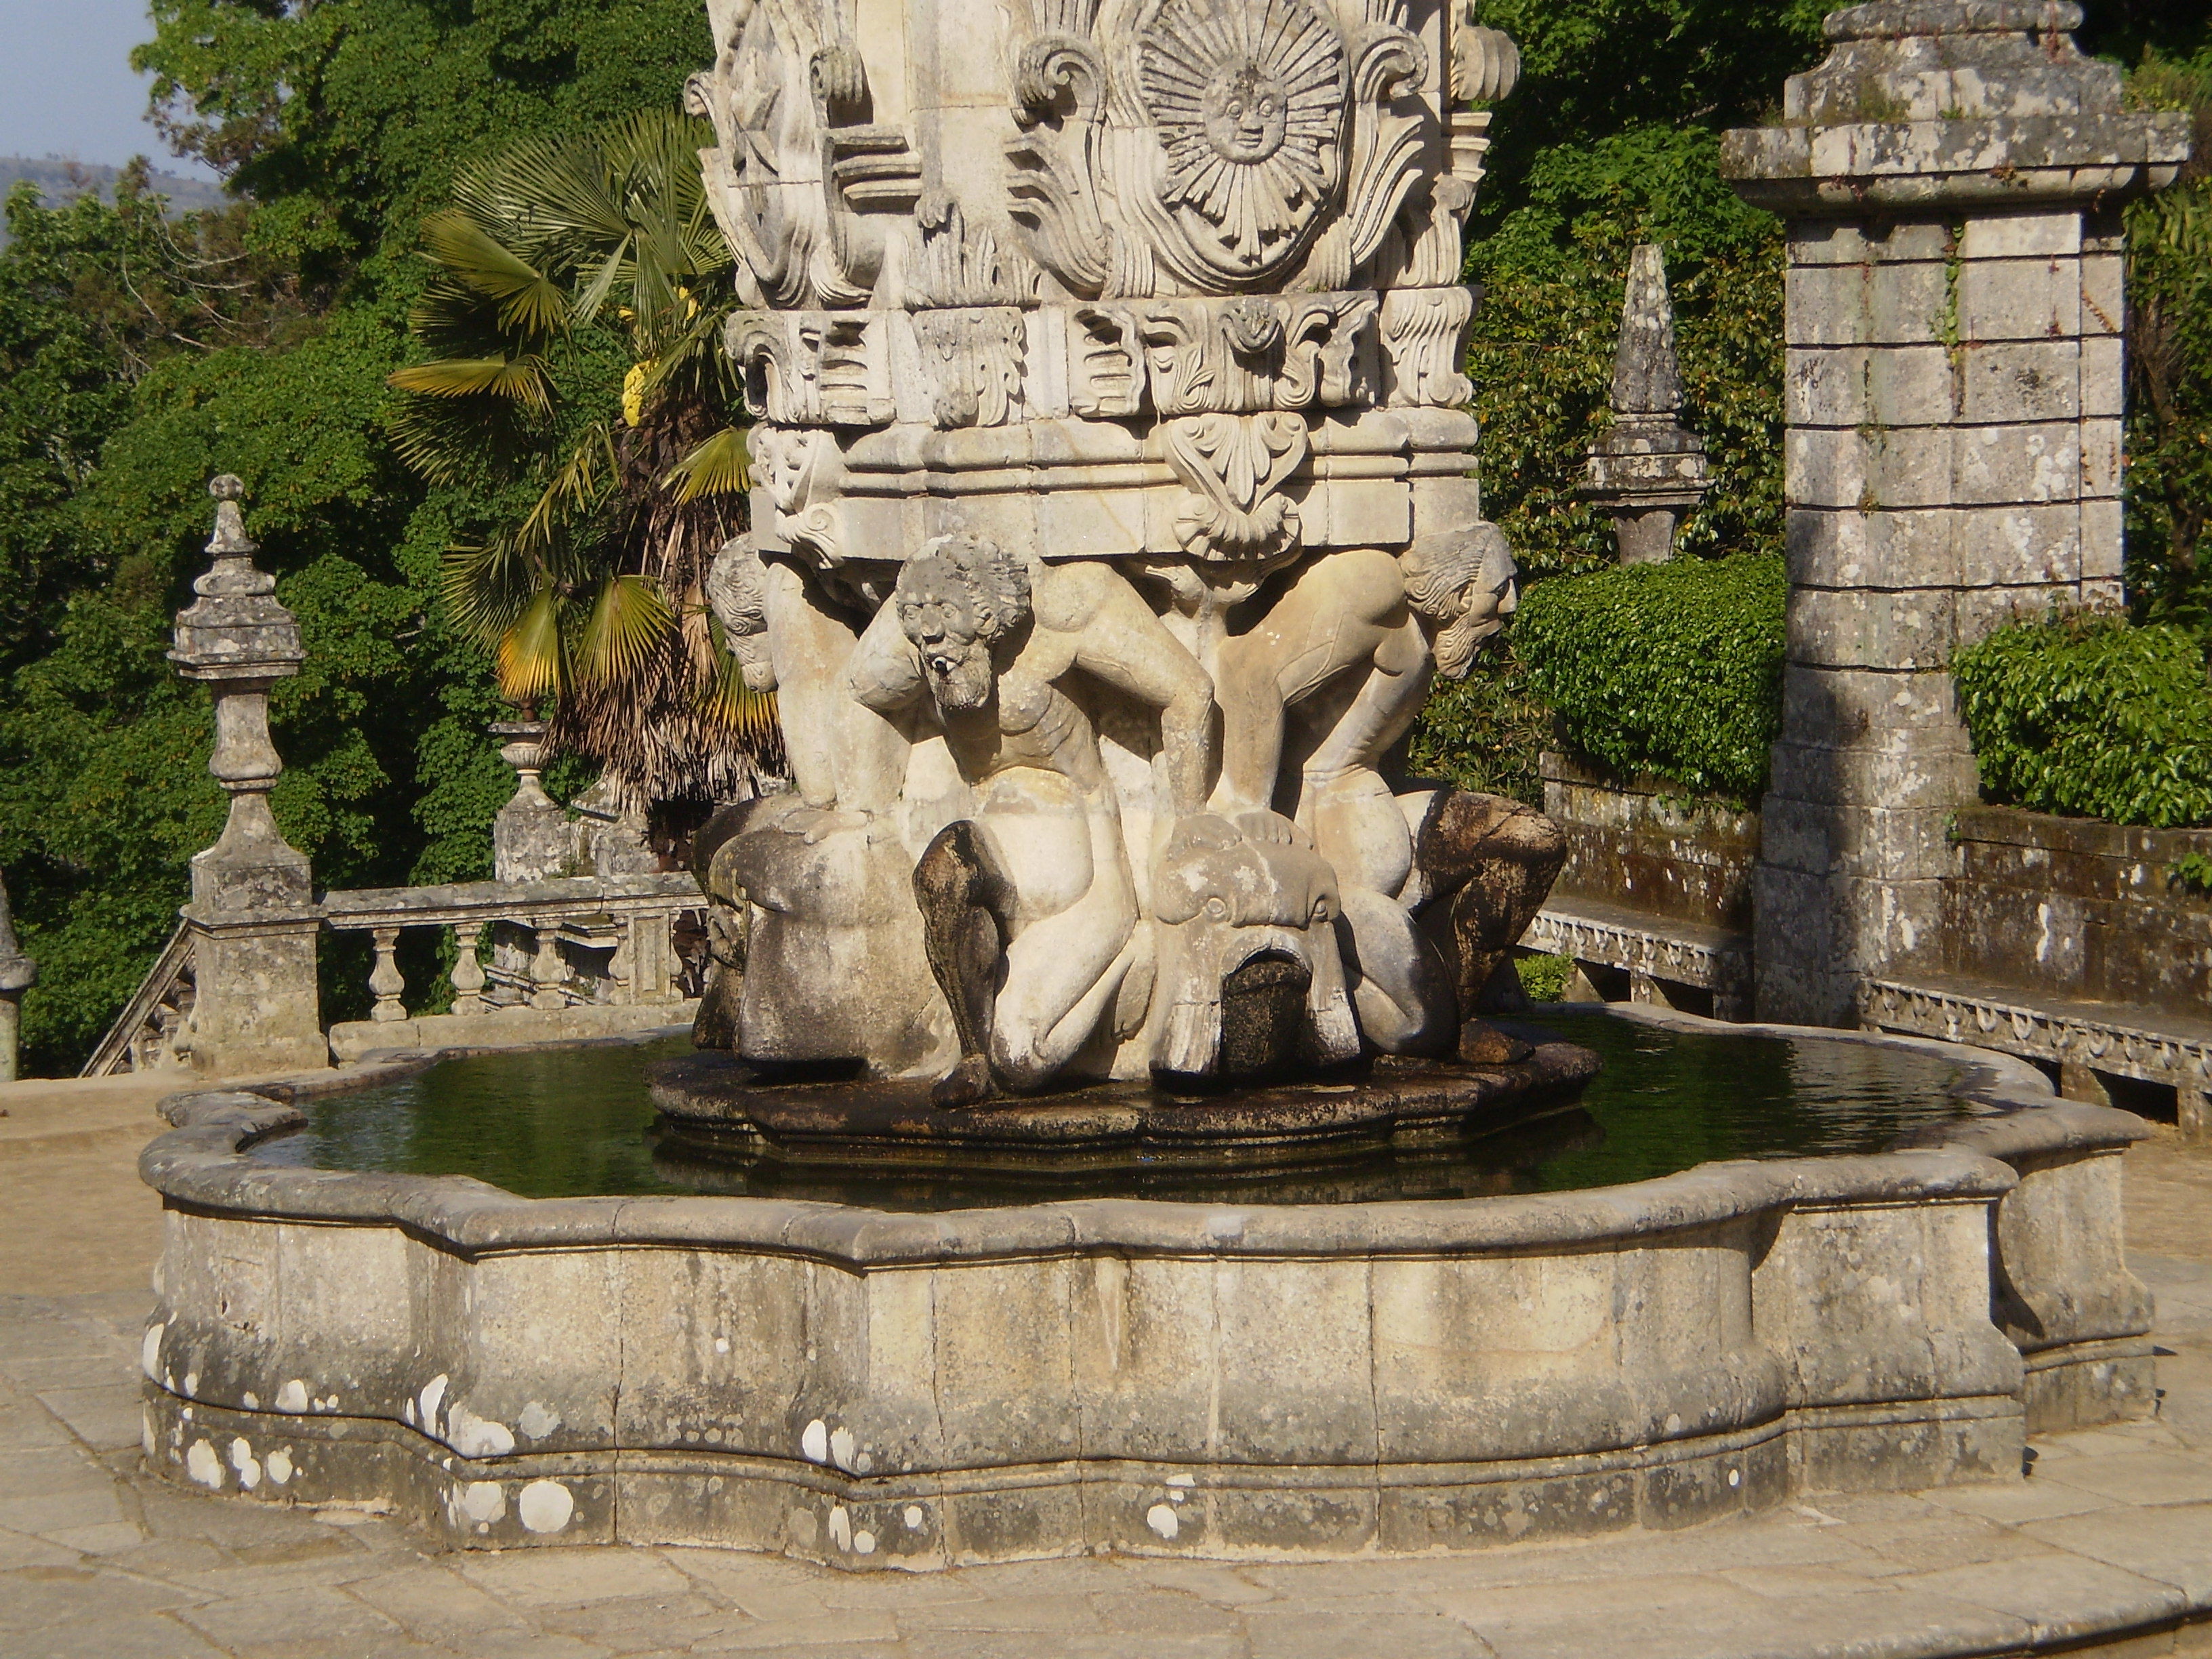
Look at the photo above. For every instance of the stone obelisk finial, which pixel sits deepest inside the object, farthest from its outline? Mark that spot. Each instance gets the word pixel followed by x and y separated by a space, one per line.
pixel 1649 472
pixel 252 914
pixel 18 973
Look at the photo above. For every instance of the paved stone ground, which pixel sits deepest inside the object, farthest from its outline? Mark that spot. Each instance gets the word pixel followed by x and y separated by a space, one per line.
pixel 2111 1529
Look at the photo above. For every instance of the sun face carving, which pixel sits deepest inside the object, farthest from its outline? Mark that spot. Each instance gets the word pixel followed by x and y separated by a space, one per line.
pixel 1249 97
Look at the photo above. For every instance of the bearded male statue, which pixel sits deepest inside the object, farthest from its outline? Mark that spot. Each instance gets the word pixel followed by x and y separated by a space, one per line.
pixel 1029 907
pixel 1436 883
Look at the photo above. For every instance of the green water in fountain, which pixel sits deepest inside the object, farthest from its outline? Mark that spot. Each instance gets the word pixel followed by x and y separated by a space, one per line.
pixel 578 1121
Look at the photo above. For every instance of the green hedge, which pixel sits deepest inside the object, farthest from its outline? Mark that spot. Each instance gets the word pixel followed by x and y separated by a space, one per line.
pixel 2093 717
pixel 1673 670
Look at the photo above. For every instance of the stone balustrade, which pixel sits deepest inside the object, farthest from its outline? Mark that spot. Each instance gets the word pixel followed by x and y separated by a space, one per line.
pixel 541 947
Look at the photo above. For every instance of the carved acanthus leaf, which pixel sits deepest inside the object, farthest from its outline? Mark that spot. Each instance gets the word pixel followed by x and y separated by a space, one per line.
pixel 1235 466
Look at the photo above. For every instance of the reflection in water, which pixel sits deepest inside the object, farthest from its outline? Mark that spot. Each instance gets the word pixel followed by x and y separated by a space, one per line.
pixel 579 1121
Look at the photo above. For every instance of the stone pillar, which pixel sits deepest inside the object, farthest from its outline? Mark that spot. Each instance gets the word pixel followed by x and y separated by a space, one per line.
pixel 253 915
pixel 18 973
pixel 1951 177
pixel 530 837
pixel 1648 473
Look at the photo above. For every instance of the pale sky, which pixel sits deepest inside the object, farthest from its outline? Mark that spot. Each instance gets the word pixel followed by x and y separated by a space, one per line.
pixel 66 87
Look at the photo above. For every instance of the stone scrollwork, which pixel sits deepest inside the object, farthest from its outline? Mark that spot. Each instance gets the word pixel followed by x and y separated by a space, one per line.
pixel 972 361
pixel 1113 515
pixel 1235 467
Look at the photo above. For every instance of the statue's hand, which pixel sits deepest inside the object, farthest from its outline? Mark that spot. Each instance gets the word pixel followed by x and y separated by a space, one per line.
pixel 816 824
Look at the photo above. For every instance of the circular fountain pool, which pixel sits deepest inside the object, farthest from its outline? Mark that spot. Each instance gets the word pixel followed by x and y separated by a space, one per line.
pixel 581 1121
pixel 1753 1262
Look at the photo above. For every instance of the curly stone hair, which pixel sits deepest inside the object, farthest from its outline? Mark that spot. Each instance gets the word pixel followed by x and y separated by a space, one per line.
pixel 992 585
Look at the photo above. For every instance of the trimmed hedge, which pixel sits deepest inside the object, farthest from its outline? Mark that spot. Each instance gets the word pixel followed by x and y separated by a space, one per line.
pixel 2093 717
pixel 1672 670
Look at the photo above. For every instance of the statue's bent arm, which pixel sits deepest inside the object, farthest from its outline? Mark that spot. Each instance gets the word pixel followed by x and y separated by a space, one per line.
pixel 1124 646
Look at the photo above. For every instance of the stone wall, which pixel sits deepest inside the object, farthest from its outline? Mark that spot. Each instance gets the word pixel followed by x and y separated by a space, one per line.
pixel 1641 844
pixel 2076 909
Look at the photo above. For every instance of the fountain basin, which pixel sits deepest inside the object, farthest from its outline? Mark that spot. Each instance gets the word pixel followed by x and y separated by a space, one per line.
pixel 869 1389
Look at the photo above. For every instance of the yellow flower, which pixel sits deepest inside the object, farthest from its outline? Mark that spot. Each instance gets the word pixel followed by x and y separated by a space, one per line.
pixel 634 391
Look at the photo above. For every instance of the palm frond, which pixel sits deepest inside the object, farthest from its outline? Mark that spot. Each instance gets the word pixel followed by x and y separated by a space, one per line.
pixel 528 299
pixel 578 487
pixel 726 700
pixel 454 441
pixel 532 656
pixel 520 381
pixel 487 588
pixel 627 623
pixel 719 466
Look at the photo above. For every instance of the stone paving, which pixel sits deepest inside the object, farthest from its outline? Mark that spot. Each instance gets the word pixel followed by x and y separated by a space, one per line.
pixel 2111 1533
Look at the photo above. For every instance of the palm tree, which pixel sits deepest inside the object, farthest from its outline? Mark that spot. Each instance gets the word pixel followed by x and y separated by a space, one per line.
pixel 573 323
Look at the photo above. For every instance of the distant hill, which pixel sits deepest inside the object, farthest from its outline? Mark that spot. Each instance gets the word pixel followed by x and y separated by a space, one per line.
pixel 61 180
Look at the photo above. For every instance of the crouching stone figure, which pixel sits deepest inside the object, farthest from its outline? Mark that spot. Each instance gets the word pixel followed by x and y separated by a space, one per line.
pixel 1029 907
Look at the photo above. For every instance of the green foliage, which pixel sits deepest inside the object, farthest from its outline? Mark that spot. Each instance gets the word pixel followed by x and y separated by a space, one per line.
pixel 1545 977
pixel 138 359
pixel 1553 276
pixel 2169 479
pixel 1672 670
pixel 1484 732
pixel 2093 717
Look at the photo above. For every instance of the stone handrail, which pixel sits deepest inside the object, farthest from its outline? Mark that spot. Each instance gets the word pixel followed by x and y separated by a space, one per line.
pixel 630 915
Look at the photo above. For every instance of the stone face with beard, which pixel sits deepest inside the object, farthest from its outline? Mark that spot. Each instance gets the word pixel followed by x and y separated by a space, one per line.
pixel 954 605
pixel 1464 582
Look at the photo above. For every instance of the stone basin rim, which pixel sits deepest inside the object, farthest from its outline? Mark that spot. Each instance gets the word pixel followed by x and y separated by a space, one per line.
pixel 205 1164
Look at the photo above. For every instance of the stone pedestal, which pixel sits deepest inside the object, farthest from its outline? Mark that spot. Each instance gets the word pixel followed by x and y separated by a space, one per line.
pixel 252 914
pixel 1952 177
pixel 1649 472
pixel 530 837
pixel 18 973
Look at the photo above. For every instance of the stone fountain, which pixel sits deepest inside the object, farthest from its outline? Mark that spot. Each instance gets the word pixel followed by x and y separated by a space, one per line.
pixel 1116 510
pixel 1114 514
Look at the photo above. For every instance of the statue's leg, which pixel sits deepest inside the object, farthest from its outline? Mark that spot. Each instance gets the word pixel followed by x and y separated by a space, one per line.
pixel 1064 969
pixel 1488 865
pixel 962 895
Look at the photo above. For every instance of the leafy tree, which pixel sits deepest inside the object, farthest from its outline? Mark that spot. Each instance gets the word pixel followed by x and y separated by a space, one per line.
pixel 574 321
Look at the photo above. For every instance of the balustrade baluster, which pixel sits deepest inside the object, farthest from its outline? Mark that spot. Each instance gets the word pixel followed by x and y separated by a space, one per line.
pixel 547 970
pixel 622 965
pixel 384 979
pixel 468 972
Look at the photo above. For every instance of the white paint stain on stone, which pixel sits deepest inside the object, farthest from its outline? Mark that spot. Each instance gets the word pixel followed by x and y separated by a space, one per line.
pixel 545 1506
pixel 537 1421
pixel 293 1396
pixel 247 1465
pixel 721 1344
pixel 433 1395
pixel 146 1431
pixel 191 1382
pixel 149 1352
pixel 864 1543
pixel 280 1466
pixel 485 1500
pixel 1163 1520
pixel 840 1447
pixel 204 1466
pixel 914 1517
pixel 253 1401
pixel 476 1437
pixel 1735 1477
pixel 814 1441
pixel 407 1411
pixel 840 1529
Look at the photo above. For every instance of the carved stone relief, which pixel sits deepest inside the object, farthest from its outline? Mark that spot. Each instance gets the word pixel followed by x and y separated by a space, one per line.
pixel 1113 511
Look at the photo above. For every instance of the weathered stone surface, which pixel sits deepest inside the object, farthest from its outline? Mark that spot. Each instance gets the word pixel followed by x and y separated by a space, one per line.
pixel 1948 174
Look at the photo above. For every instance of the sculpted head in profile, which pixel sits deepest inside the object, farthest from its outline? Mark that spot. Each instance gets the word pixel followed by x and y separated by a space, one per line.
pixel 1463 585
pixel 958 597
